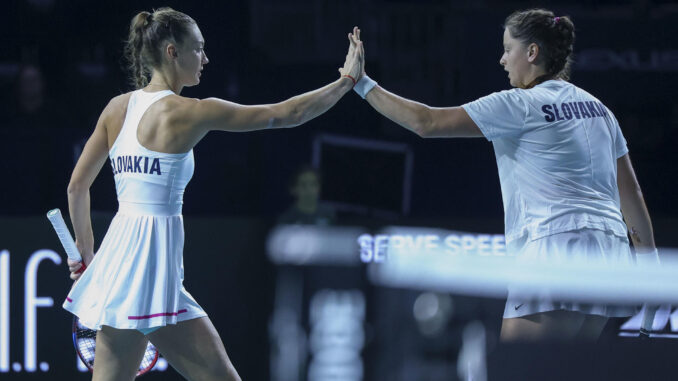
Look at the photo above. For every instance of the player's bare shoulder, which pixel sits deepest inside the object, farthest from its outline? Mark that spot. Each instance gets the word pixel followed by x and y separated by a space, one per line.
pixel 113 115
pixel 204 114
pixel 180 113
pixel 177 119
pixel 178 109
pixel 115 110
pixel 117 105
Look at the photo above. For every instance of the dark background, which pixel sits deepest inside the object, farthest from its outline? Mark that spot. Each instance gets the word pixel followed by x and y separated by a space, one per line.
pixel 438 52
pixel 443 53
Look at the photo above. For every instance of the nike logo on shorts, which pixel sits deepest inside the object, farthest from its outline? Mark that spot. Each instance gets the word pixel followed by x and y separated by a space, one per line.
pixel 518 306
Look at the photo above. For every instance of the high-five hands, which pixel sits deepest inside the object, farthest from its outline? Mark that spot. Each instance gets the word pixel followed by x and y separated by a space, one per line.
pixel 355 39
pixel 355 58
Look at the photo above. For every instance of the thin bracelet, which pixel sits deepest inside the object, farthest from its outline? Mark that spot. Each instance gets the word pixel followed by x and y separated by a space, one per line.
pixel 351 78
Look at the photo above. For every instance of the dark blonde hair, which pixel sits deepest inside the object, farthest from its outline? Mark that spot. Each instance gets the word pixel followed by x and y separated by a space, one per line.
pixel 554 36
pixel 148 34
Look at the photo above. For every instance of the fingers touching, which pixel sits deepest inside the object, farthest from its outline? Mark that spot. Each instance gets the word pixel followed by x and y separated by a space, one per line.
pixel 356 34
pixel 355 61
pixel 360 50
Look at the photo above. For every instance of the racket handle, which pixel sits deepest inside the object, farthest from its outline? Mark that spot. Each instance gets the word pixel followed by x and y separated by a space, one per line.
pixel 648 319
pixel 648 260
pixel 64 235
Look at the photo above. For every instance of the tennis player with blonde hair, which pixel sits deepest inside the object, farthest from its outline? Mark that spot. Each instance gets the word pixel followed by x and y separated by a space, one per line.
pixel 132 290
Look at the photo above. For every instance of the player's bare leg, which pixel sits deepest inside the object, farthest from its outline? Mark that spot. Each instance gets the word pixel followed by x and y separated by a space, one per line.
pixel 118 354
pixel 194 348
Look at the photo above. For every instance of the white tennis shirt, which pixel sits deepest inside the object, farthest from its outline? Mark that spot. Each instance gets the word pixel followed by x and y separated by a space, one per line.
pixel 556 148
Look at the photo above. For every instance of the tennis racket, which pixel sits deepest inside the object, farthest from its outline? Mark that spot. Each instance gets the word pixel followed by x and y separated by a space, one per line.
pixel 64 235
pixel 647 260
pixel 84 339
pixel 648 319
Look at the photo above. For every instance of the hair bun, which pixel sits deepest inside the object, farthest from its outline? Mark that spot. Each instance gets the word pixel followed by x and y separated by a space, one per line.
pixel 554 35
pixel 143 48
pixel 141 20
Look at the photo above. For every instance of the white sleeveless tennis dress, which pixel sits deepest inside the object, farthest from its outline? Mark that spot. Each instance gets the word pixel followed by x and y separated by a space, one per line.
pixel 136 278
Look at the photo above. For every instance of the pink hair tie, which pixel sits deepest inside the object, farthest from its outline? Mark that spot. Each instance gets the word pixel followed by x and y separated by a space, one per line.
pixel 555 20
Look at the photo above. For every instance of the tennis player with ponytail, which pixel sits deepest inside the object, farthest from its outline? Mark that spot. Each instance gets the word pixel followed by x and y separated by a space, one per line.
pixel 565 173
pixel 132 289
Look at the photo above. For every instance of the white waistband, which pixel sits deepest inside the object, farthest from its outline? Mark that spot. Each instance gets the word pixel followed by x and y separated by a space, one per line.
pixel 149 209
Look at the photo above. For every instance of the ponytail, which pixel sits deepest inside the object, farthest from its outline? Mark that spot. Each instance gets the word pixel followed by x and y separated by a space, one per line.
pixel 134 47
pixel 148 34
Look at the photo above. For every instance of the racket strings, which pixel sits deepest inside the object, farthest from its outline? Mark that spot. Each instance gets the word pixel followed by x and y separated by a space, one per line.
pixel 150 357
pixel 85 344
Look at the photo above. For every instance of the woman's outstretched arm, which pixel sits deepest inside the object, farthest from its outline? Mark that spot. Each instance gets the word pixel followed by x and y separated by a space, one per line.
pixel 217 114
pixel 423 120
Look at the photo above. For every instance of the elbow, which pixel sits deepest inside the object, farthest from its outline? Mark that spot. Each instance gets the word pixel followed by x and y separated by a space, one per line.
pixel 422 131
pixel 297 117
pixel 423 124
pixel 629 189
pixel 638 191
pixel 289 117
pixel 76 189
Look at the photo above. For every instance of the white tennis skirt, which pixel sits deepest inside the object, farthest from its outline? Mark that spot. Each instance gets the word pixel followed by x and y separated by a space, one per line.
pixel 136 278
pixel 587 245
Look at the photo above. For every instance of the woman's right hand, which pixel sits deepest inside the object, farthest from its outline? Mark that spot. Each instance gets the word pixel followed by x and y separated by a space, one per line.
pixel 355 60
pixel 73 267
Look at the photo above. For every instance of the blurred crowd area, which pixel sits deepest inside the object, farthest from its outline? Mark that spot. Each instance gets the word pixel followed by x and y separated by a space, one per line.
pixel 61 63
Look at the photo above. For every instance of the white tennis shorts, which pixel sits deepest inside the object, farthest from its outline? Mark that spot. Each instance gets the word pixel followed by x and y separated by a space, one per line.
pixel 588 245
